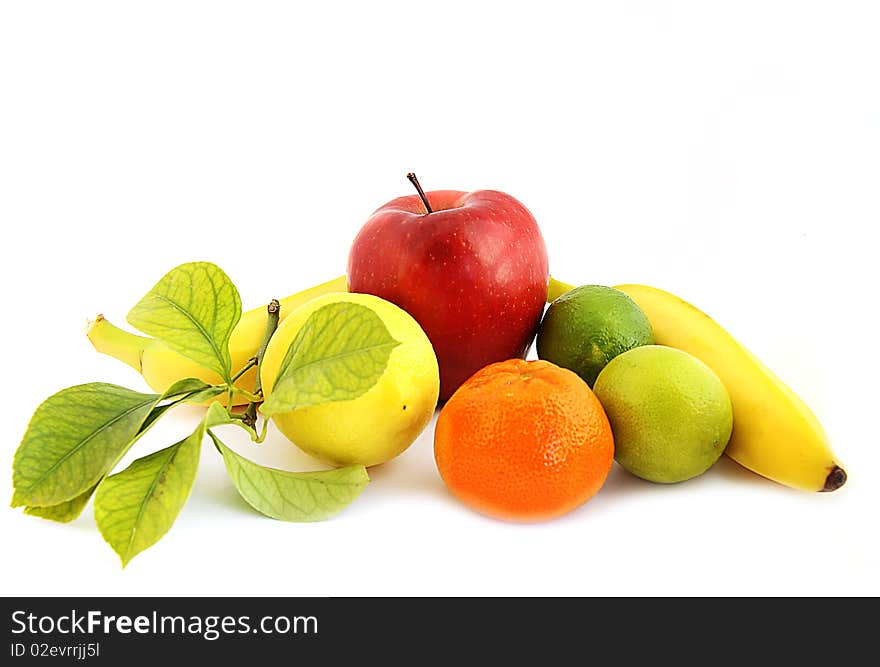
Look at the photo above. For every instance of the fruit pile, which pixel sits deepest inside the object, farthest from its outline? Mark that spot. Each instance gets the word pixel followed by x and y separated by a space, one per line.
pixel 444 295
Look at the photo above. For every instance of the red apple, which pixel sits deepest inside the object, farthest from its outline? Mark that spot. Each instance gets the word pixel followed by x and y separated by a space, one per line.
pixel 470 267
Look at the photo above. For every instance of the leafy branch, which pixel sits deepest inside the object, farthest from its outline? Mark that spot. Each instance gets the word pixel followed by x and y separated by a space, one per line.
pixel 78 436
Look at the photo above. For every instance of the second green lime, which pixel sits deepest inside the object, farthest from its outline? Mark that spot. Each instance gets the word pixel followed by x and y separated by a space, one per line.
pixel 670 414
pixel 588 326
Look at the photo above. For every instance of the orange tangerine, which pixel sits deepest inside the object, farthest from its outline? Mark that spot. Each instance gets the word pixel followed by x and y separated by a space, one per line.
pixel 523 441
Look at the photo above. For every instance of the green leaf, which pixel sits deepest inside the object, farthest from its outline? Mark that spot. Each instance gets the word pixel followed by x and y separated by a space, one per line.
pixel 192 309
pixel 63 512
pixel 206 394
pixel 181 391
pixel 339 354
pixel 189 386
pixel 293 496
pixel 75 438
pixel 136 507
pixel 219 416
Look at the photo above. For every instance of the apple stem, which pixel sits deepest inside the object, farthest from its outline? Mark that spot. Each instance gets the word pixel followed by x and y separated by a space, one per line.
pixel 415 181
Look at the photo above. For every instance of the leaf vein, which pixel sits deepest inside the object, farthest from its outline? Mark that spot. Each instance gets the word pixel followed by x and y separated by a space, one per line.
pixel 198 325
pixel 147 497
pixel 83 442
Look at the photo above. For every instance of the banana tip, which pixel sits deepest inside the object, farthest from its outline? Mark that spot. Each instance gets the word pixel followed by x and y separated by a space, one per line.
pixel 90 324
pixel 836 478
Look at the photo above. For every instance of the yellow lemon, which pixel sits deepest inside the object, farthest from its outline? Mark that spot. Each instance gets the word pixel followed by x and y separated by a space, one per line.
pixel 379 424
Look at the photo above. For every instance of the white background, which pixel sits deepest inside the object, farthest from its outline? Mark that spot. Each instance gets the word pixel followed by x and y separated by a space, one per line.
pixel 727 152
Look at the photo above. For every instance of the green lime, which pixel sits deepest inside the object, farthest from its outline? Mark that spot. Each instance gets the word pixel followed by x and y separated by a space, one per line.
pixel 670 414
pixel 588 326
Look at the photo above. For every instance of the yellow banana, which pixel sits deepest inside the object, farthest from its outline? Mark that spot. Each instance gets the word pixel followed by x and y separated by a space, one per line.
pixel 774 433
pixel 161 366
pixel 557 288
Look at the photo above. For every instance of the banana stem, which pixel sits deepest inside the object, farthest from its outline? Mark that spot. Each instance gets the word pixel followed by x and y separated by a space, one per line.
pixel 274 311
pixel 109 339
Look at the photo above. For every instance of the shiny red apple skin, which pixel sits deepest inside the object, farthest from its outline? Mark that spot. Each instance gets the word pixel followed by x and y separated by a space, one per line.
pixel 473 273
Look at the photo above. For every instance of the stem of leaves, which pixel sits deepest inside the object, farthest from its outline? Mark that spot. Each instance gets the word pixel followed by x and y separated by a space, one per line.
pixel 249 365
pixel 274 312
